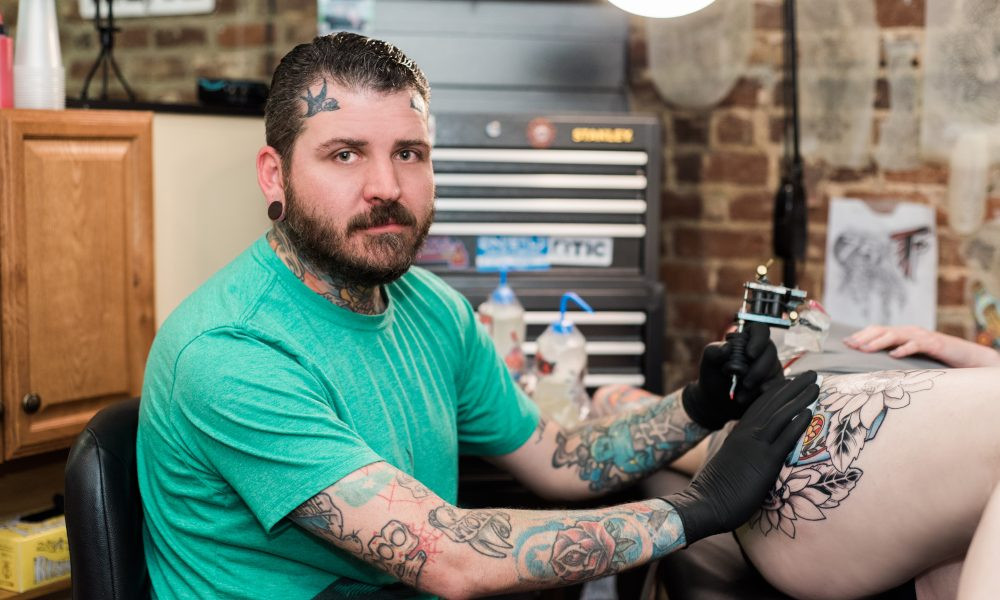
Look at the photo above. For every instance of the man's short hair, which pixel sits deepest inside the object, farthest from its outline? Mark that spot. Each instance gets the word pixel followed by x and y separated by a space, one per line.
pixel 348 59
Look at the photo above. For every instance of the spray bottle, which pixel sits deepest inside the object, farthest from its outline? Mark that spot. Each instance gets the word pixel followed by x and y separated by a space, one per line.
pixel 560 366
pixel 503 317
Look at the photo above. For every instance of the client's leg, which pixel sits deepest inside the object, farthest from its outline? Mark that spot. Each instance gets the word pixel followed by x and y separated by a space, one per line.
pixel 890 479
pixel 980 579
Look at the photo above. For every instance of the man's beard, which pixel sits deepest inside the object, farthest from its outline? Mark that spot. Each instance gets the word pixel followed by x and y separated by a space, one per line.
pixel 383 258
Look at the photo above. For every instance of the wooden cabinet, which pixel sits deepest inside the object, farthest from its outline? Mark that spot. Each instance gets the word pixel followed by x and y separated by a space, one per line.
pixel 76 269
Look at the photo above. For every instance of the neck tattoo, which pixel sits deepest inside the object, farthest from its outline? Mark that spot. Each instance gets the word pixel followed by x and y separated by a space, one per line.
pixel 363 300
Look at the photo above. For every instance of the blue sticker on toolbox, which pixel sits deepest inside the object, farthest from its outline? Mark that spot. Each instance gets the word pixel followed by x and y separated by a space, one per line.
pixel 513 253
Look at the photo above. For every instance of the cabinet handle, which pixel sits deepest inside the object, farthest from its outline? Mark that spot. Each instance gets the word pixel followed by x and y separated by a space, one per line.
pixel 31 403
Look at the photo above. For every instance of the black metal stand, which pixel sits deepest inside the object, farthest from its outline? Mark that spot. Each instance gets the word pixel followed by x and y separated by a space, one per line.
pixel 106 31
pixel 790 226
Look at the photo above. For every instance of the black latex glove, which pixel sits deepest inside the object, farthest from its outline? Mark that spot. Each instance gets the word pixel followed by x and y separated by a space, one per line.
pixel 734 482
pixel 707 400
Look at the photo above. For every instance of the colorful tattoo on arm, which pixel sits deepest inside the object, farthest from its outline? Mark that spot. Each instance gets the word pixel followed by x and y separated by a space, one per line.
pixel 319 103
pixel 613 399
pixel 541 548
pixel 820 474
pixel 323 518
pixel 359 488
pixel 615 452
pixel 585 546
pixel 398 548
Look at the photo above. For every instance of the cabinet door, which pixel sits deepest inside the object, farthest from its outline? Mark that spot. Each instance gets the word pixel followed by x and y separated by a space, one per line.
pixel 76 273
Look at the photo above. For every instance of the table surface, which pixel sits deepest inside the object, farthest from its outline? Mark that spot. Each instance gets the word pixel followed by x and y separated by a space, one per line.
pixel 39 592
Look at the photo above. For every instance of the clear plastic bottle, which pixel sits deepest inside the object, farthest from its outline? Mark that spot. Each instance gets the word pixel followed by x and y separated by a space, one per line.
pixel 559 368
pixel 503 317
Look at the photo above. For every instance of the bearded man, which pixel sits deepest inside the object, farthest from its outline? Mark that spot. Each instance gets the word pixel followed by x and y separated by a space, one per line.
pixel 303 411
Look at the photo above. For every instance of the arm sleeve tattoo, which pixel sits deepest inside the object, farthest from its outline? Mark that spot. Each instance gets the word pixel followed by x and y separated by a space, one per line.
pixel 619 450
pixel 404 529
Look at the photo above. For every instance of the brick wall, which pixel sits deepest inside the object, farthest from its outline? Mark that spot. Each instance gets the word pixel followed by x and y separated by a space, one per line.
pixel 722 168
pixel 161 57
pixel 721 165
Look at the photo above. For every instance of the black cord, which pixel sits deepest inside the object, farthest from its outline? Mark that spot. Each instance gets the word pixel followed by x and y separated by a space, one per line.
pixel 792 72
pixel 106 58
pixel 790 229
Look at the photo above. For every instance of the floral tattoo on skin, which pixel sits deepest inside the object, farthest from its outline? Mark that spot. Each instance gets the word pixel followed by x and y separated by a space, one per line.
pixel 820 474
pixel 588 550
pixel 581 547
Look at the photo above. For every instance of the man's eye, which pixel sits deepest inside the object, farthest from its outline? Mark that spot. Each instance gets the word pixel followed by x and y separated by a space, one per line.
pixel 408 155
pixel 344 155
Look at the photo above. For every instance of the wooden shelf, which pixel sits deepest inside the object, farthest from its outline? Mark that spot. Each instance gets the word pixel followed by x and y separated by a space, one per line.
pixel 39 592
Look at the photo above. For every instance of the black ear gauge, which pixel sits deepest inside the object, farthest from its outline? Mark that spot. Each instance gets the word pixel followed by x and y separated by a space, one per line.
pixel 276 211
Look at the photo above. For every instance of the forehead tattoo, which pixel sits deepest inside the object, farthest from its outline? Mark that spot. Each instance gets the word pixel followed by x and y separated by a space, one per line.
pixel 319 103
pixel 417 104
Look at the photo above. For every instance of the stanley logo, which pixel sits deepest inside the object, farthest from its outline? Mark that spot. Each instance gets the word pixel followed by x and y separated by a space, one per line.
pixel 607 135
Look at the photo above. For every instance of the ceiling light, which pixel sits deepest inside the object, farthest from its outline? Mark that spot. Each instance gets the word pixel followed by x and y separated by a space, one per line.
pixel 661 8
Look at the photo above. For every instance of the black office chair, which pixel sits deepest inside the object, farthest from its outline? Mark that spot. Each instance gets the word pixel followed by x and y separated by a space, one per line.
pixel 104 510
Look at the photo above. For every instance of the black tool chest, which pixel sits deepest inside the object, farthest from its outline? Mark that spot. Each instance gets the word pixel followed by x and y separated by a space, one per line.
pixel 589 183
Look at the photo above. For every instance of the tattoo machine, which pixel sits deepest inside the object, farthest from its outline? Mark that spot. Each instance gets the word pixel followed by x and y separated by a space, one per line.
pixel 763 302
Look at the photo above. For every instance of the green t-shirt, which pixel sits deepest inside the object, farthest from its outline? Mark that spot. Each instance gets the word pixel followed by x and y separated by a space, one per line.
pixel 260 393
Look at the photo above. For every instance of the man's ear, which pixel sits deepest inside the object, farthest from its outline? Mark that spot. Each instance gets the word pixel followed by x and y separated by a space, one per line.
pixel 270 177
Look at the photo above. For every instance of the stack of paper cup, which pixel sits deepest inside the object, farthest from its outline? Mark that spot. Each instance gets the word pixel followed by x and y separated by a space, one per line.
pixel 39 76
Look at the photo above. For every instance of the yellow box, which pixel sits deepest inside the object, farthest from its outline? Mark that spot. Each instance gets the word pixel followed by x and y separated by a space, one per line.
pixel 33 554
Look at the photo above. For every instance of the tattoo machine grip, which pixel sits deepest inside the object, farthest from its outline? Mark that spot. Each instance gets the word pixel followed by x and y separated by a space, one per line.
pixel 737 365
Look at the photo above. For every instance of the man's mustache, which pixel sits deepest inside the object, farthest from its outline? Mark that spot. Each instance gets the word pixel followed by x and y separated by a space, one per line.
pixel 382 214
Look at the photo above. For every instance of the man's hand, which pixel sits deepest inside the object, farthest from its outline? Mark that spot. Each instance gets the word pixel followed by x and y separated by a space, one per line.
pixel 907 340
pixel 707 400
pixel 734 482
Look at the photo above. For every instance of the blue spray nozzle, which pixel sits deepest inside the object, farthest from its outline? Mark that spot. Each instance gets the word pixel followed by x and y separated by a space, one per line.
pixel 564 325
pixel 503 294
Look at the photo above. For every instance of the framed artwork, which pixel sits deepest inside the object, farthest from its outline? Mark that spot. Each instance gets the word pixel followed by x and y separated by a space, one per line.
pixel 881 264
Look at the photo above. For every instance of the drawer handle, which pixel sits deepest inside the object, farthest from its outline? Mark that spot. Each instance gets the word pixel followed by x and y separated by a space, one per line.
pixel 31 403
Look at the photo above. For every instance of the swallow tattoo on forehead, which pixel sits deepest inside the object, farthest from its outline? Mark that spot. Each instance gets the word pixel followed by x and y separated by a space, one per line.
pixel 417 104
pixel 319 103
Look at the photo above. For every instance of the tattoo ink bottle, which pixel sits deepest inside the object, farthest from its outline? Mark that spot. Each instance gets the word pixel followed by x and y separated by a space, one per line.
pixel 503 317
pixel 6 68
pixel 559 368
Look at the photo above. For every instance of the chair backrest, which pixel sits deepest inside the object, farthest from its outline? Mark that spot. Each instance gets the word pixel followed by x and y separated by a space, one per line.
pixel 104 510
